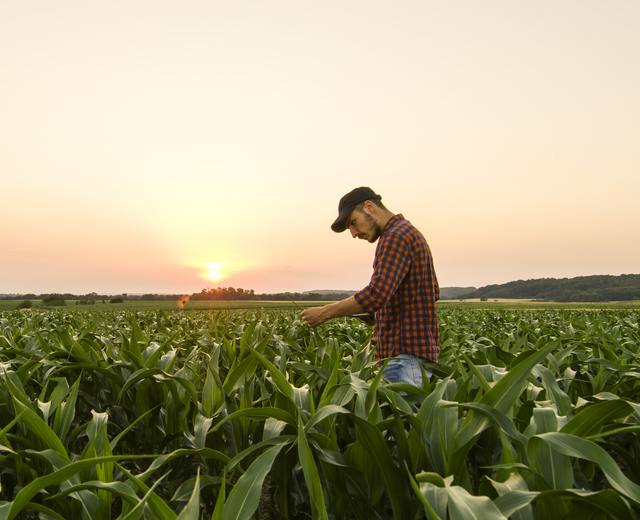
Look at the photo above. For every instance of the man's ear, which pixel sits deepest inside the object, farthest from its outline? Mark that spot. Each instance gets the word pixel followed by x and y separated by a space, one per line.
pixel 370 207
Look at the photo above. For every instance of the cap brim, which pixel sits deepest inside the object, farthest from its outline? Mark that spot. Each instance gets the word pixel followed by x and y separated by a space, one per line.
pixel 339 227
pixel 340 224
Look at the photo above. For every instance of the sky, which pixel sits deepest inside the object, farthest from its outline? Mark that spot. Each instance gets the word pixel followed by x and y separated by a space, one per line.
pixel 167 146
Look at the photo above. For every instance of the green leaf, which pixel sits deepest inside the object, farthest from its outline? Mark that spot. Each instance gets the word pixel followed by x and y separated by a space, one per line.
pixel 561 399
pixel 311 476
pixel 131 346
pixel 40 428
pixel 372 393
pixel 502 396
pixel 138 510
pixel 515 498
pixel 590 420
pixel 64 418
pixel 499 419
pixel 430 501
pixel 117 488
pixel 516 504
pixel 11 509
pixel 161 460
pixel 474 369
pixel 464 506
pixel 219 509
pixel 606 501
pixel 505 393
pixel 323 413
pixel 258 414
pixel 211 395
pixel 274 441
pixel 152 360
pixel 573 446
pixel 157 375
pixel 39 508
pixel 184 492
pixel 158 507
pixel 278 377
pixel 394 480
pixel 554 466
pixel 242 372
pixel 192 509
pixel 245 495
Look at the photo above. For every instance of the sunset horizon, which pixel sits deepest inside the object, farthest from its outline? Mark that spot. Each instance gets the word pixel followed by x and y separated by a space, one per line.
pixel 156 147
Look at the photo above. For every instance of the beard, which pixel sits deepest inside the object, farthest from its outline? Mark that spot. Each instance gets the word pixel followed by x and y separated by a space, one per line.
pixel 373 229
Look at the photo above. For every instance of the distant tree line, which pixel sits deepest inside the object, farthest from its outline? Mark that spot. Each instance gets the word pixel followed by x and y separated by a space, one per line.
pixel 224 293
pixel 218 293
pixel 57 296
pixel 230 293
pixel 598 288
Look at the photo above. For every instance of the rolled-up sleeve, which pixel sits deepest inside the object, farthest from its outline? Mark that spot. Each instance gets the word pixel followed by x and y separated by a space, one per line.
pixel 393 259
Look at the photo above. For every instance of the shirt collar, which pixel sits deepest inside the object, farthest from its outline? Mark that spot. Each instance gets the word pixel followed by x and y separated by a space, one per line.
pixel 392 221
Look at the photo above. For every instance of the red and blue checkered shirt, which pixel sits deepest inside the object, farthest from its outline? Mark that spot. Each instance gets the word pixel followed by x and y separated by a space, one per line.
pixel 402 293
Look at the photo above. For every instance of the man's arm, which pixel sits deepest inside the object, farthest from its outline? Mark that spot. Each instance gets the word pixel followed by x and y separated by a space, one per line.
pixel 315 316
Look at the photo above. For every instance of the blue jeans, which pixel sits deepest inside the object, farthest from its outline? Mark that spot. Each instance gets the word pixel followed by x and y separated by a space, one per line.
pixel 405 369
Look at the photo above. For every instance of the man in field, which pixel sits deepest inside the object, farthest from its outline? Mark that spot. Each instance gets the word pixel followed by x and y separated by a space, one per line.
pixel 401 296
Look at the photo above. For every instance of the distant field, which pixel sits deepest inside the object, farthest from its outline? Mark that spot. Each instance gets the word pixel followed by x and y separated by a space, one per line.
pixel 233 305
pixel 503 303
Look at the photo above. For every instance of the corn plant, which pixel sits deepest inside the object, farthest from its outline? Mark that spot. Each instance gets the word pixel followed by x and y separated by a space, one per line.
pixel 529 414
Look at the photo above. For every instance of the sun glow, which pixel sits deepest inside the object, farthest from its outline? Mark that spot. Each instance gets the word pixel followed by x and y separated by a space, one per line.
pixel 215 270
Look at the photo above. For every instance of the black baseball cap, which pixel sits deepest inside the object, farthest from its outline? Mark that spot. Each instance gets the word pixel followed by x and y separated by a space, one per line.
pixel 349 202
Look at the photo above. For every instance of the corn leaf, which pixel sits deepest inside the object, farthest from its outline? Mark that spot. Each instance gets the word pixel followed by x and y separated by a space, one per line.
pixel 314 485
pixel 245 495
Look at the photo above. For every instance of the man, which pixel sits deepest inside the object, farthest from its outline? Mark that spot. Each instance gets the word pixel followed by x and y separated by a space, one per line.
pixel 403 290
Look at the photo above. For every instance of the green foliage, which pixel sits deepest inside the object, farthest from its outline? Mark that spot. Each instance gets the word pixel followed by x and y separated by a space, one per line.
pixel 158 414
pixel 233 294
pixel 54 300
pixel 25 304
pixel 116 299
pixel 603 288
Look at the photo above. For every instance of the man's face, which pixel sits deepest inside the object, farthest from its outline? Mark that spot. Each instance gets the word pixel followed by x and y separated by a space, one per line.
pixel 363 225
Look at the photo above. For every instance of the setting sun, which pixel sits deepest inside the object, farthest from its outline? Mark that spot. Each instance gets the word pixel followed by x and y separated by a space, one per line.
pixel 215 270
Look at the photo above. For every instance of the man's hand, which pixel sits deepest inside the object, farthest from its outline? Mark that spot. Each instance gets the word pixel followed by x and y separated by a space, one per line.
pixel 313 316
pixel 369 319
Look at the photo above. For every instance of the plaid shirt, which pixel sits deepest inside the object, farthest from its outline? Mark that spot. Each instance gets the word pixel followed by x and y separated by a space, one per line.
pixel 403 292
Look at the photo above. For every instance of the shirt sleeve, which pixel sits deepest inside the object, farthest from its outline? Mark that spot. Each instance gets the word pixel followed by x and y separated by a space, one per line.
pixel 393 259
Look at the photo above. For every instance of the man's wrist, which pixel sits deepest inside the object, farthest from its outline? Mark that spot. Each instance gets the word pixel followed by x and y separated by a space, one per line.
pixel 329 311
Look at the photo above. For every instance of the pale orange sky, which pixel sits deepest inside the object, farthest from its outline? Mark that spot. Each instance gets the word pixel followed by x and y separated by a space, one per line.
pixel 142 141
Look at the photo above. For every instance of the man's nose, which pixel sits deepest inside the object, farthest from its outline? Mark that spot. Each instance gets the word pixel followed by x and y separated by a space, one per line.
pixel 354 233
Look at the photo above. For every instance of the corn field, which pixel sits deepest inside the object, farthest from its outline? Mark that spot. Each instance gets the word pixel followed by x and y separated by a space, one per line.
pixel 252 414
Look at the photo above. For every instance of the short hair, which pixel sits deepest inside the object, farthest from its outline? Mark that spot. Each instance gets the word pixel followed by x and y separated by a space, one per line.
pixel 377 202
